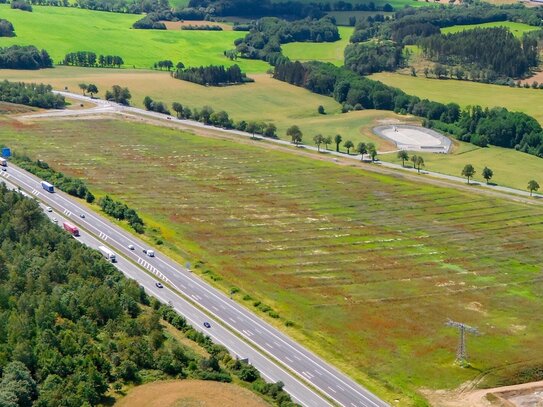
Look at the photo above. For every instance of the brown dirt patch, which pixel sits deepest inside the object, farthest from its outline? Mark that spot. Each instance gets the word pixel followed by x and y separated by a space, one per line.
pixel 538 77
pixel 193 393
pixel 176 25
pixel 479 398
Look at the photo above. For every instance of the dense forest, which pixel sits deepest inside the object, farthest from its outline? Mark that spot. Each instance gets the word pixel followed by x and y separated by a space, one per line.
pixel 373 56
pixel 291 9
pixel 212 75
pixel 267 34
pixel 90 59
pixel 71 325
pixel 486 126
pixel 24 57
pixel 493 49
pixel 6 28
pixel 31 94
pixel 410 23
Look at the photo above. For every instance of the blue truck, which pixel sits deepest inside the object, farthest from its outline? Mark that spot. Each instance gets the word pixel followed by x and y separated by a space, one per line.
pixel 47 186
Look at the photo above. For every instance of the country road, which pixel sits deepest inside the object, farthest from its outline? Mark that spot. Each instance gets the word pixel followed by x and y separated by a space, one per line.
pixel 105 107
pixel 309 379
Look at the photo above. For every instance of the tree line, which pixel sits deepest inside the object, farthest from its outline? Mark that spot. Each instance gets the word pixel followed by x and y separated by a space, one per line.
pixel 494 49
pixel 149 22
pixel 24 57
pixel 21 5
pixel 267 34
pixel 212 75
pixel 495 126
pixel 121 211
pixel 31 94
pixel 209 116
pixel 125 6
pixel 73 186
pixel 6 28
pixel 90 59
pixel 206 27
pixel 79 329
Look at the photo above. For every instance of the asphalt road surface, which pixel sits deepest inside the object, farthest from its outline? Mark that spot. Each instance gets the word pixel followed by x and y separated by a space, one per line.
pixel 245 335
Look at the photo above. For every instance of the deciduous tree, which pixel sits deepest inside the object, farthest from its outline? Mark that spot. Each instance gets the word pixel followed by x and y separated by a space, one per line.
pixel 348 145
pixel 533 186
pixel 468 171
pixel 487 174
pixel 404 156
pixel 295 134
pixel 338 139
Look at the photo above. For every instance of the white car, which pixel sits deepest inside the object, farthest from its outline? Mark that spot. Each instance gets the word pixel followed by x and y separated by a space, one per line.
pixel 131 247
pixel 55 220
pixel 49 209
pixel 150 253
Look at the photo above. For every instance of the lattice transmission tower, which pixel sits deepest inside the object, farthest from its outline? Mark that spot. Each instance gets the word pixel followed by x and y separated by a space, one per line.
pixel 461 351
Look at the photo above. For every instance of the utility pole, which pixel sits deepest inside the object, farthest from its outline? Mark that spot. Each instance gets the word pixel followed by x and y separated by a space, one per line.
pixel 461 352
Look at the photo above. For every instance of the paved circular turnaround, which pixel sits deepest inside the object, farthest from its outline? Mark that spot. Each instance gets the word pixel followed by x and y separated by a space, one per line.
pixel 414 138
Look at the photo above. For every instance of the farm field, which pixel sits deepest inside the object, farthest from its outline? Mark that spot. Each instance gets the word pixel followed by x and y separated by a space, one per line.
pixel 465 93
pixel 518 29
pixel 264 100
pixel 325 51
pixel 113 35
pixel 511 168
pixel 190 393
pixel 359 261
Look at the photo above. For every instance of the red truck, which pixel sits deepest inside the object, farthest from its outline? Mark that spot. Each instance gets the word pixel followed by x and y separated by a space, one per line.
pixel 71 228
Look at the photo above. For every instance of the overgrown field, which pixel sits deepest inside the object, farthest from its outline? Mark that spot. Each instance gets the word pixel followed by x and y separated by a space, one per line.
pixel 61 30
pixel 367 267
pixel 467 93
pixel 518 29
pixel 325 51
pixel 266 99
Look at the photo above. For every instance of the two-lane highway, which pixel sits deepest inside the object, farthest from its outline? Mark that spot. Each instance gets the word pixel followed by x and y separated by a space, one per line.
pixel 276 355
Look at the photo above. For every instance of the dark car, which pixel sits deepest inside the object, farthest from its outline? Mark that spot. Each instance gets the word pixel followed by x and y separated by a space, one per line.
pixel 207 324
pixel 159 285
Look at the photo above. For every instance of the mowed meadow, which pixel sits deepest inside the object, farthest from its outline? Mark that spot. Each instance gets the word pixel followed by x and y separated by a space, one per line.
pixel 61 30
pixel 367 267
pixel 518 29
pixel 466 93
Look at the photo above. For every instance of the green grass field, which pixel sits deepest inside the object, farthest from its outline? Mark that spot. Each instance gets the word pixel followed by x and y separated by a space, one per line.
pixel 368 267
pixel 467 93
pixel 518 29
pixel 325 51
pixel 61 30
pixel 264 100
pixel 511 168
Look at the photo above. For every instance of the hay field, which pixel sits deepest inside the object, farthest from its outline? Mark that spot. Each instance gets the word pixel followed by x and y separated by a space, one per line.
pixel 325 51
pixel 266 99
pixel 358 261
pixel 190 393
